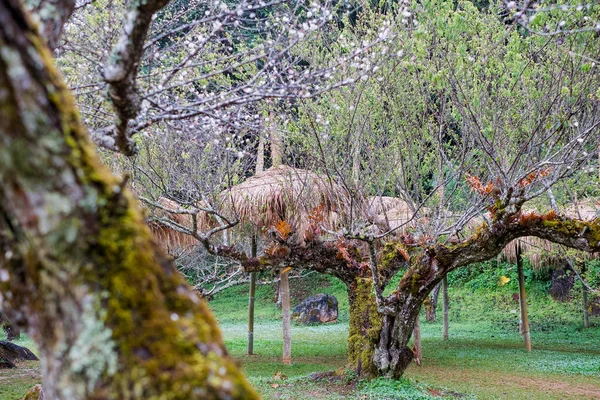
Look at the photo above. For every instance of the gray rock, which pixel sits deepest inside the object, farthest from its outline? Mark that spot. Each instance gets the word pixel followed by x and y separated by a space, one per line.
pixel 317 309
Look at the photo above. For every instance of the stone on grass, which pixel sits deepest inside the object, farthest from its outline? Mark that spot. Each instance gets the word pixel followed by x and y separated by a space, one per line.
pixel 13 352
pixel 317 309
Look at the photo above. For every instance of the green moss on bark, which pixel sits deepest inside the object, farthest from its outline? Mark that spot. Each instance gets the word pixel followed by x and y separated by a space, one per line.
pixel 364 329
pixel 35 393
pixel 89 260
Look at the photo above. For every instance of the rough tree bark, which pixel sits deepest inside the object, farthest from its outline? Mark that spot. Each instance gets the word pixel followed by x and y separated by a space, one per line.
pixel 110 314
pixel 51 16
pixel 430 264
pixel 365 325
pixel 121 73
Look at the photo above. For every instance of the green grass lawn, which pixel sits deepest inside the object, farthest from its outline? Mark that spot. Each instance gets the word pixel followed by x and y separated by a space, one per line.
pixel 484 358
pixel 14 383
pixel 478 362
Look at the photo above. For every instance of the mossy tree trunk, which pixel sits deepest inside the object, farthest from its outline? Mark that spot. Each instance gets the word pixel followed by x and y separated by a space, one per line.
pixel 111 316
pixel 364 328
pixel 392 354
pixel 426 266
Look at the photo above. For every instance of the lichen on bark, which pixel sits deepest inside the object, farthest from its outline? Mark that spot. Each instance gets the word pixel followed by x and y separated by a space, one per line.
pixel 110 314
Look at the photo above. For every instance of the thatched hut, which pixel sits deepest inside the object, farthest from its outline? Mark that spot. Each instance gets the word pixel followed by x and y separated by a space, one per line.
pixel 169 238
pixel 285 194
pixel 402 216
pixel 542 253
pixel 376 205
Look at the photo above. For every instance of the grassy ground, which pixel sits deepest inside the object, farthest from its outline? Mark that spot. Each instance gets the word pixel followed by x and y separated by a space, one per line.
pixel 478 361
pixel 14 383
pixel 484 358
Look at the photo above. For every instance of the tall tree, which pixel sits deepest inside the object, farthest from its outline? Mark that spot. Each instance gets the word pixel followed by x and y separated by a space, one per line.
pixel 109 313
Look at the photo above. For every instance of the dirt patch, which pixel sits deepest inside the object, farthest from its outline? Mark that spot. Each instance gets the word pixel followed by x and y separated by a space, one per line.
pixel 507 385
pixel 24 370
pixel 543 385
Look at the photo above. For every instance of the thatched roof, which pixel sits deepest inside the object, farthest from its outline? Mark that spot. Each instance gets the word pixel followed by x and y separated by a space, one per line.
pixel 402 217
pixel 169 238
pixel 542 253
pixel 587 210
pixel 375 205
pixel 284 194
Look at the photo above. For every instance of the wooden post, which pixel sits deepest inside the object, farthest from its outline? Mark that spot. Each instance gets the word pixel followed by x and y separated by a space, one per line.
pixel 523 300
pixel 418 348
pixel 586 316
pixel 285 307
pixel 260 166
pixel 251 303
pixel 276 144
pixel 284 283
pixel 445 306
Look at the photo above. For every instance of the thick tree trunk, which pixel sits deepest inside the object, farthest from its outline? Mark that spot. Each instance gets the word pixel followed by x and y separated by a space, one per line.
pixel 287 318
pixel 364 329
pixel 111 316
pixel 392 354
pixel 401 312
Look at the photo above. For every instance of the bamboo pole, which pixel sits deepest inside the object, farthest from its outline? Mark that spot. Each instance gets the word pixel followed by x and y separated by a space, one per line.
pixel 251 303
pixel 445 308
pixel 285 307
pixel 284 283
pixel 523 300
pixel 586 316
pixel 418 348
pixel 260 166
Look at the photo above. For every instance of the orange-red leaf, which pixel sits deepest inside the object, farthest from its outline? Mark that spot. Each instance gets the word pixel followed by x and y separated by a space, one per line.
pixel 283 229
pixel 476 185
